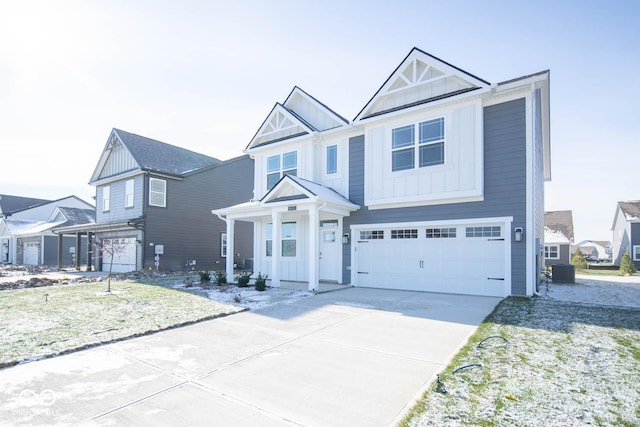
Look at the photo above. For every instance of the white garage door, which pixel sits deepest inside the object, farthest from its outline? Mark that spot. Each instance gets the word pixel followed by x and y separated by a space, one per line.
pixel 468 259
pixel 31 253
pixel 122 251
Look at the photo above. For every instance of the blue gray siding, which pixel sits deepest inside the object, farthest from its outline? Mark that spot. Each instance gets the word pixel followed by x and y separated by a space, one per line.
pixel 117 210
pixel 504 186
pixel 635 240
pixel 51 250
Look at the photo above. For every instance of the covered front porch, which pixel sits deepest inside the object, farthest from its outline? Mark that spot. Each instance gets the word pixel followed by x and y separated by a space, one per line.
pixel 298 234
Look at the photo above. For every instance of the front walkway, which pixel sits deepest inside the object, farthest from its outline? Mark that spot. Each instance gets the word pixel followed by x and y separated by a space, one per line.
pixel 356 357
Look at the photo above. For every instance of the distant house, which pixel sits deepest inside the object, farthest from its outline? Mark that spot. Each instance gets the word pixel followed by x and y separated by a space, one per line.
pixel 558 237
pixel 436 185
pixel 10 204
pixel 626 231
pixel 595 249
pixel 26 234
pixel 153 207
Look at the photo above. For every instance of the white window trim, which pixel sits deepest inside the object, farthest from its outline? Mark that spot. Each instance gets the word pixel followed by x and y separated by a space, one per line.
pixel 635 253
pixel 326 160
pixel 106 198
pixel 129 193
pixel 416 145
pixel 223 245
pixel 546 251
pixel 281 171
pixel 164 194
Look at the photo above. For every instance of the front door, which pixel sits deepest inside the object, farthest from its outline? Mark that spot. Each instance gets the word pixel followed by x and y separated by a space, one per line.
pixel 330 256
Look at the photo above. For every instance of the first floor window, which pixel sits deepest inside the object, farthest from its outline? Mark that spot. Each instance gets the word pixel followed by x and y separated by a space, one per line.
pixel 288 239
pixel 551 252
pixel 106 198
pixel 636 253
pixel 223 245
pixel 157 192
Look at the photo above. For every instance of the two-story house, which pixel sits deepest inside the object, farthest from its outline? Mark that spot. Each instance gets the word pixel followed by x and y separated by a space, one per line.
pixel 436 185
pixel 153 207
pixel 26 230
pixel 558 237
pixel 626 232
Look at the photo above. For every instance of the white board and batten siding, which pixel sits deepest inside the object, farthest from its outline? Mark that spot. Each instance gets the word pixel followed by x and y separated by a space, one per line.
pixel 459 179
pixel 457 257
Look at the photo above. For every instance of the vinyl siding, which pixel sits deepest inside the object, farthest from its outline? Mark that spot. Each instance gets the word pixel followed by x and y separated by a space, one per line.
pixel 504 186
pixel 117 210
pixel 635 240
pixel 187 228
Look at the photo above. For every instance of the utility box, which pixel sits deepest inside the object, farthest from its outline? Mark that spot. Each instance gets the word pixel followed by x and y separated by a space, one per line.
pixel 159 250
pixel 563 273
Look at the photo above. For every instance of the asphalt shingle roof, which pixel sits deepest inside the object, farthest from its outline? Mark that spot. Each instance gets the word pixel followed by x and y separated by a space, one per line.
pixel 559 223
pixel 161 157
pixel 631 210
pixel 10 204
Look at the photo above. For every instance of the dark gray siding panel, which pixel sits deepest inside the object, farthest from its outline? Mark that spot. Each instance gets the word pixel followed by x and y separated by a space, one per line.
pixel 51 250
pixel 504 185
pixel 187 228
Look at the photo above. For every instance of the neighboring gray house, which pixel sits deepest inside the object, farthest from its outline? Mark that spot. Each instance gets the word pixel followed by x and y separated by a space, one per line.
pixel 26 235
pixel 153 207
pixel 436 185
pixel 626 232
pixel 558 237
pixel 10 204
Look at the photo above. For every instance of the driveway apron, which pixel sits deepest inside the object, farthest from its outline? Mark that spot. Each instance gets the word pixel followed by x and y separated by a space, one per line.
pixel 355 357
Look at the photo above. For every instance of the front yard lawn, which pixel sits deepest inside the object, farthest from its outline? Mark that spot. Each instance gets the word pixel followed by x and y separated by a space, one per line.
pixel 45 321
pixel 542 363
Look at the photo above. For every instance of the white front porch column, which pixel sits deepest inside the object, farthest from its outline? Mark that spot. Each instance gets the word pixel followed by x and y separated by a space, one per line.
pixel 230 249
pixel 314 254
pixel 276 248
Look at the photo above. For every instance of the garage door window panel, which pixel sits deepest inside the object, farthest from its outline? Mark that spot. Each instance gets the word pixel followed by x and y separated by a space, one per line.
pixel 440 233
pixel 372 235
pixel 404 234
pixel 490 231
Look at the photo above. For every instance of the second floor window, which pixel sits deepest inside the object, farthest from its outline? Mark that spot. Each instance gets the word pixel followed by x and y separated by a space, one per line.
pixel 279 165
pixel 106 198
pixel 332 159
pixel 430 147
pixel 128 194
pixel 157 192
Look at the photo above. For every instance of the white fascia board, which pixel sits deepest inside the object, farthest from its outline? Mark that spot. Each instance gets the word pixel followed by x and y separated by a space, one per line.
pixel 440 103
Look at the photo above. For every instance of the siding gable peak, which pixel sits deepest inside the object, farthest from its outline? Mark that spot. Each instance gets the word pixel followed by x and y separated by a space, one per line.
pixel 420 78
pixel 281 124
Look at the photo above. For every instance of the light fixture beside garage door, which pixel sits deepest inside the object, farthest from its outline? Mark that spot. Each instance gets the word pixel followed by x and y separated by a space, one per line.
pixel 518 233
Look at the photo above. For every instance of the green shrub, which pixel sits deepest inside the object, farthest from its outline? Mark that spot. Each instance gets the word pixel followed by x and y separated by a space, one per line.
pixel 220 277
pixel 205 276
pixel 578 260
pixel 626 265
pixel 261 282
pixel 243 279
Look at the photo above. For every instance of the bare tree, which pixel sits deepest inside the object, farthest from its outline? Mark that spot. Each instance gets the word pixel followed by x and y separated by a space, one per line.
pixel 111 246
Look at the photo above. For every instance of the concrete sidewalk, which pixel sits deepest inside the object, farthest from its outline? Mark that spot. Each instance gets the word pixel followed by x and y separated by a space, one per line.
pixel 356 357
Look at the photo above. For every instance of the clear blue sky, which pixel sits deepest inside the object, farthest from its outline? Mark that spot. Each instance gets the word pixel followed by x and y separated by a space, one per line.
pixel 203 75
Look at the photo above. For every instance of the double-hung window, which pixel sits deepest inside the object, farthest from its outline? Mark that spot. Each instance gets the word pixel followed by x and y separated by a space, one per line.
pixel 280 165
pixel 288 240
pixel 157 192
pixel 430 145
pixel 552 252
pixel 223 245
pixel 636 253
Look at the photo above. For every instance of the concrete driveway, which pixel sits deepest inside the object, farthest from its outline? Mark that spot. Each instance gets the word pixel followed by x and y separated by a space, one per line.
pixel 356 357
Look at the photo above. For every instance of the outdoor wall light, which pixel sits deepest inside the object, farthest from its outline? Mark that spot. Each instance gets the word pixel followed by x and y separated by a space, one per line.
pixel 345 238
pixel 518 233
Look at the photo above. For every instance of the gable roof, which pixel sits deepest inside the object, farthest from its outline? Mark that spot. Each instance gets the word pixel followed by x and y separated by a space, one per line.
pixel 75 216
pixel 419 79
pixel 300 114
pixel 151 155
pixel 295 188
pixel 10 204
pixel 631 210
pixel 558 227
